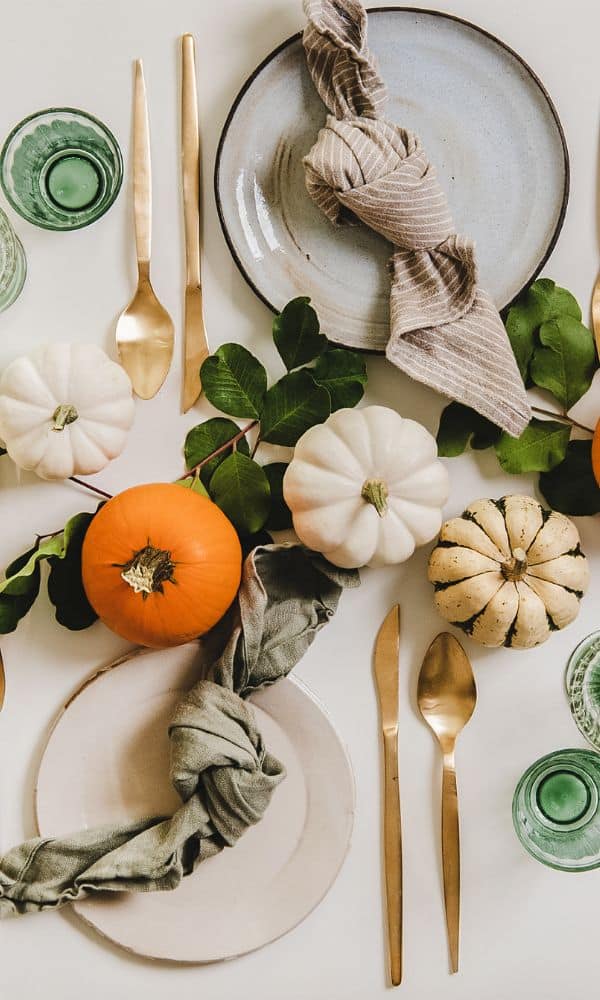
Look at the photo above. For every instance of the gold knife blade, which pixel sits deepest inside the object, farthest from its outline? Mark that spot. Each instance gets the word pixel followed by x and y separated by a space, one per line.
pixel 386 680
pixel 196 347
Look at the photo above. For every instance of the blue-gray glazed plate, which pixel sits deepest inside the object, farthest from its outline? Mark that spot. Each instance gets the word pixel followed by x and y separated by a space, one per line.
pixel 489 127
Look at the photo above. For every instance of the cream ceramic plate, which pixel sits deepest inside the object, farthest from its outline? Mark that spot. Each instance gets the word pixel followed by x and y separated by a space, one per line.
pixel 107 760
pixel 488 125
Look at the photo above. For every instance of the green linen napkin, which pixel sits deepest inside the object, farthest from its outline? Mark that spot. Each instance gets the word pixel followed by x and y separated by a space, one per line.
pixel 219 765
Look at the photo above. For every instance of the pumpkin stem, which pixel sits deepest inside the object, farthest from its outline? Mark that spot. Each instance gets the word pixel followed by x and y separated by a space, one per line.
pixel 63 415
pixel 376 492
pixel 148 569
pixel 515 568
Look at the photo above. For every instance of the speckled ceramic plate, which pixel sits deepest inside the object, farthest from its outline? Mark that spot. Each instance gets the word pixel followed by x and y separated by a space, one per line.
pixel 107 760
pixel 488 125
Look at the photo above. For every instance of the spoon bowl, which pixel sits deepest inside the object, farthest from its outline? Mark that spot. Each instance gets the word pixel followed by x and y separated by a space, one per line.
pixel 446 691
pixel 145 337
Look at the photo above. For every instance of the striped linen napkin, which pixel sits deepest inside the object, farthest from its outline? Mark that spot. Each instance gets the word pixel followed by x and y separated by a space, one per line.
pixel 444 329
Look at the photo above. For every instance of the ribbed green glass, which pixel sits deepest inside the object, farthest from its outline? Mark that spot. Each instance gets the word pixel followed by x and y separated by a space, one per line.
pixel 61 169
pixel 556 810
pixel 583 687
pixel 13 266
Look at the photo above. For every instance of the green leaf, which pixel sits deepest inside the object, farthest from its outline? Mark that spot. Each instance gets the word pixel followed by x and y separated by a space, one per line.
pixel 541 446
pixel 202 440
pixel 565 361
pixel 18 592
pixel 65 585
pixel 195 484
pixel 541 302
pixel 344 375
pixel 234 381
pixel 292 405
pixel 459 426
pixel 21 586
pixel 296 333
pixel 241 489
pixel 280 515
pixel 571 487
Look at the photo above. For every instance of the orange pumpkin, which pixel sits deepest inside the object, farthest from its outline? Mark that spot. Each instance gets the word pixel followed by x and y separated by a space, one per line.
pixel 160 564
pixel 596 453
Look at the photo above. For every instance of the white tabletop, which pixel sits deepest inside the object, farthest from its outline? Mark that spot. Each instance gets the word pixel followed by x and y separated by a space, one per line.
pixel 526 930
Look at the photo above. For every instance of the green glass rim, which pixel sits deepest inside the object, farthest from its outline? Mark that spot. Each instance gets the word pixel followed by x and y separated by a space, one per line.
pixel 41 224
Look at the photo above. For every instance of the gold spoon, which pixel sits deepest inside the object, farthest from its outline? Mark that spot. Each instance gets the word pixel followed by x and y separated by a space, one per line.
pixel 446 695
pixel 145 332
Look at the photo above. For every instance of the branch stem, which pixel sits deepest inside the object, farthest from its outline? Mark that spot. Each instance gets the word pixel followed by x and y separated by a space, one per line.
pixel 219 451
pixel 562 417
pixel 94 489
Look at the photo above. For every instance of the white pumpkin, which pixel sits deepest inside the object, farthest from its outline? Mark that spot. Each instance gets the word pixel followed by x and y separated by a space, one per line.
pixel 508 572
pixel 366 487
pixel 65 410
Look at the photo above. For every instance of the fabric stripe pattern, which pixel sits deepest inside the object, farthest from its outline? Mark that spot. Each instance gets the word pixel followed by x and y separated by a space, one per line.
pixel 444 329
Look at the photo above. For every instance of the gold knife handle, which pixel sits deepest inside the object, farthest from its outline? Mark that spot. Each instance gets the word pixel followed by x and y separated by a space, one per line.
pixel 142 173
pixel 190 151
pixel 392 841
pixel 451 856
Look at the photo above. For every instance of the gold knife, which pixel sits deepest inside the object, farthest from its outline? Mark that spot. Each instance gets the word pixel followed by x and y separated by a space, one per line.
pixel 195 343
pixel 386 679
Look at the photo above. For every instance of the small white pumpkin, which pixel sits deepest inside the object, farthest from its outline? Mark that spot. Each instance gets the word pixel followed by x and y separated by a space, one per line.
pixel 65 410
pixel 366 487
pixel 508 572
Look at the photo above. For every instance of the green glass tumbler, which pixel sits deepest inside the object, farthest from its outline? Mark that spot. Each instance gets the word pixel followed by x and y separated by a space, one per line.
pixel 61 169
pixel 556 811
pixel 13 266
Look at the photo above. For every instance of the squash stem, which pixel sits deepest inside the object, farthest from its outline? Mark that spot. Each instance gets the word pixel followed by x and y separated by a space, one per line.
pixel 63 415
pixel 515 568
pixel 148 569
pixel 375 491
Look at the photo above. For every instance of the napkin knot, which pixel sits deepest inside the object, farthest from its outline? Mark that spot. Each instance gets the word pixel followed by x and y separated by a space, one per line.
pixel 218 754
pixel 444 329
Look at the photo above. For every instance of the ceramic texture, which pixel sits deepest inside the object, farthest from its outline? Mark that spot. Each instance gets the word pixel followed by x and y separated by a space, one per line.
pixel 107 760
pixel 556 810
pixel 583 687
pixel 61 169
pixel 13 264
pixel 488 126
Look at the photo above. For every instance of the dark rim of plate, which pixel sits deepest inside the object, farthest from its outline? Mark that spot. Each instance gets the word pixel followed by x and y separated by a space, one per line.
pixel 380 10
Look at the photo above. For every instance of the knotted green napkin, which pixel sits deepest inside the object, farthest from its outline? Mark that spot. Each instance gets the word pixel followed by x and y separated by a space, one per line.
pixel 219 764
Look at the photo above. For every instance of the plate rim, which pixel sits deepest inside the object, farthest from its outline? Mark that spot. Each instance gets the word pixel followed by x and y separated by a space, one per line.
pixel 297 36
pixel 297 682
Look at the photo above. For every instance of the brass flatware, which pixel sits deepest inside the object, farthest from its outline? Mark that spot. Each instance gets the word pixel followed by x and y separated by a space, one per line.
pixel 386 679
pixel 196 347
pixel 596 314
pixel 446 695
pixel 145 331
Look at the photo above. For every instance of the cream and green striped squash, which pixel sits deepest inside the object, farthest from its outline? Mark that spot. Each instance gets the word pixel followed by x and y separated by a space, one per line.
pixel 508 572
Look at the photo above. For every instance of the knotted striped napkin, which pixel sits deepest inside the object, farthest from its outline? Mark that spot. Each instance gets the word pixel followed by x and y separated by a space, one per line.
pixel 444 329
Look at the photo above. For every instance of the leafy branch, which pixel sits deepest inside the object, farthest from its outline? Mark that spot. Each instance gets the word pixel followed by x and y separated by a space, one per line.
pixel 319 379
pixel 556 352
